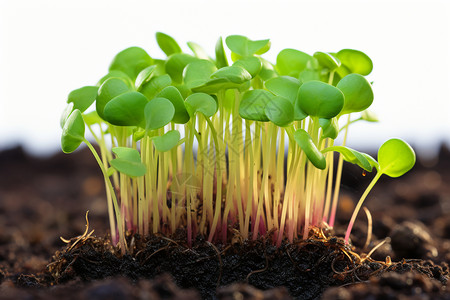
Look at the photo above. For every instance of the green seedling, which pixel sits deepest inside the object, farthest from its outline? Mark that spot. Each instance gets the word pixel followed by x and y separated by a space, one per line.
pixel 227 144
pixel 395 158
pixel 128 162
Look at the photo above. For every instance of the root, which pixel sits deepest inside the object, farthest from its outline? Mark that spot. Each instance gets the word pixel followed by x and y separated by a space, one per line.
pixel 79 239
pixel 258 271
pixel 386 240
pixel 157 251
pixel 369 227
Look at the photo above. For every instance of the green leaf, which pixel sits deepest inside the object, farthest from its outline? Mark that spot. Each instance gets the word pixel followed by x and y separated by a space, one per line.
pixel 111 88
pixel 319 99
pixel 176 63
pixel 309 75
pixel 144 76
pixel 131 61
pixel 287 87
pixel 138 134
pixel 167 141
pixel 267 71
pixel 73 132
pixel 341 72
pixel 355 61
pixel 160 67
pixel 156 85
pixel 243 46
pixel 396 157
pixel 352 156
pixel 369 116
pixel 171 93
pixel 257 45
pixel 201 102
pixel 233 74
pixel 327 60
pixel 92 118
pixel 358 94
pixel 83 97
pixel 198 72
pixel 117 74
pixel 158 113
pixel 126 109
pixel 128 162
pixel 221 57
pixel 167 44
pixel 65 114
pixel 129 154
pixel 183 89
pixel 198 51
pixel 110 171
pixel 253 105
pixel 280 111
pixel 232 77
pixel 372 161
pixel 330 128
pixel 284 86
pixel 244 87
pixel 291 62
pixel 214 85
pixel 252 64
pixel 304 140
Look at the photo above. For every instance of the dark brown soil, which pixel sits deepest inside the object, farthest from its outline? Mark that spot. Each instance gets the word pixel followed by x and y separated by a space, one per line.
pixel 43 199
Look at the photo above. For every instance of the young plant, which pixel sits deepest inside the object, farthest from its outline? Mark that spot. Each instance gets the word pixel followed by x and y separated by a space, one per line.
pixel 210 146
pixel 395 158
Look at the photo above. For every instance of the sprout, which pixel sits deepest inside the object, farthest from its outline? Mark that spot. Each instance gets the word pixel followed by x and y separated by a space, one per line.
pixel 244 47
pixel 158 113
pixel 395 158
pixel 167 141
pixel 167 44
pixel 211 146
pixel 291 62
pixel 131 61
pixel 126 109
pixel 128 162
pixel 83 97
pixel 73 132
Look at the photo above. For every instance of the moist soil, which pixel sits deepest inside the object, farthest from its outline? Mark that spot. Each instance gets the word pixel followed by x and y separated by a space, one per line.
pixel 42 199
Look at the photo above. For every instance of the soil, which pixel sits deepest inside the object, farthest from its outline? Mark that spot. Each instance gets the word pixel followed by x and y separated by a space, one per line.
pixel 42 199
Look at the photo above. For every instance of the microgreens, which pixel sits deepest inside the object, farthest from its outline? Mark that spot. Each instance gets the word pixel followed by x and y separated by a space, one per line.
pixel 210 146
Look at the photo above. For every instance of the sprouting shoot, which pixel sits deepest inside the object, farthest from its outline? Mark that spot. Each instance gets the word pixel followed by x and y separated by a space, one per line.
pixel 233 143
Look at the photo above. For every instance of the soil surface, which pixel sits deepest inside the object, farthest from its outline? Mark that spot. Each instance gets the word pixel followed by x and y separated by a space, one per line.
pixel 42 199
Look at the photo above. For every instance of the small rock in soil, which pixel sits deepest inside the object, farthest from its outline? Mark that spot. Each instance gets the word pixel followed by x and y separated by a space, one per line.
pixel 412 240
pixel 382 225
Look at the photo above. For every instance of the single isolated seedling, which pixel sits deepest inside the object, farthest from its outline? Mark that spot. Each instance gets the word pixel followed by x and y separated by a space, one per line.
pixel 220 145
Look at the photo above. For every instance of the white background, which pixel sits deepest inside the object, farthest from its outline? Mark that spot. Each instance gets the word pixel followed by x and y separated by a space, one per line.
pixel 48 48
